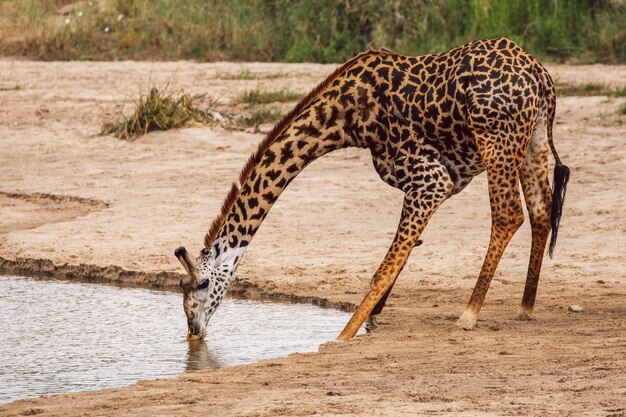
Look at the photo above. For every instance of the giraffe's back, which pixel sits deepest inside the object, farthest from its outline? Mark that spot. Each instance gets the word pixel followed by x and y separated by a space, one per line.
pixel 436 103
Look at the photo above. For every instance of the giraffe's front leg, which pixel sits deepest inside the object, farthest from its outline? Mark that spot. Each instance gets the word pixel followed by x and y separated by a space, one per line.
pixel 371 323
pixel 387 272
pixel 419 204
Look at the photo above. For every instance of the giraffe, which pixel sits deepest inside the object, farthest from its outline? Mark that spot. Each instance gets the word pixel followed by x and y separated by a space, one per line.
pixel 431 123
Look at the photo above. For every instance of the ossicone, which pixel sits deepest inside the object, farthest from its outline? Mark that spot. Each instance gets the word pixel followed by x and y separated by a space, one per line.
pixel 189 265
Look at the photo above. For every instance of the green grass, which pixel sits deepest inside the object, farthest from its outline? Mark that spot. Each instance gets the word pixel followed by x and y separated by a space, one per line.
pixel 307 30
pixel 244 74
pixel 593 89
pixel 259 115
pixel 256 111
pixel 254 97
pixel 589 89
pixel 158 110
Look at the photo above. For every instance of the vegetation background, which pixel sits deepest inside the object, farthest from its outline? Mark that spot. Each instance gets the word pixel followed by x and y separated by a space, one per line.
pixel 305 30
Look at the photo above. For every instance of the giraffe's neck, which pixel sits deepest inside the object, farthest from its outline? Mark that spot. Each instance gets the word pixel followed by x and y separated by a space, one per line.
pixel 320 129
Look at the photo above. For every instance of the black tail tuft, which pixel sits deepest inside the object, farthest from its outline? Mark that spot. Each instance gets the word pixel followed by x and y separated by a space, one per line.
pixel 559 187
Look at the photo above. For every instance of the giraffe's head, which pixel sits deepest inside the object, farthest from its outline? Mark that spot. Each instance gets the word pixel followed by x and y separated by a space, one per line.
pixel 204 288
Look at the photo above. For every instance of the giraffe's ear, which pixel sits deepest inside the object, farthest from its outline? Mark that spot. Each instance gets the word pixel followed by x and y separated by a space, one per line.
pixel 189 265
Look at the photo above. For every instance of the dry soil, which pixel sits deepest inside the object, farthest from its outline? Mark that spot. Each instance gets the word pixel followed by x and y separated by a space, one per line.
pixel 87 206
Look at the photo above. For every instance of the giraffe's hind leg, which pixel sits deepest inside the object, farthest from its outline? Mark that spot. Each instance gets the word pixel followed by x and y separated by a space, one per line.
pixel 538 196
pixel 502 156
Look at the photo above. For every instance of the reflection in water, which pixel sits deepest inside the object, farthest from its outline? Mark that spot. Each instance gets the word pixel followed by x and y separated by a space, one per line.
pixel 86 336
pixel 199 357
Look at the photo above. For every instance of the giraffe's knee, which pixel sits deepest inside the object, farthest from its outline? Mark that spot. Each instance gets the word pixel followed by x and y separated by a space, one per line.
pixel 539 207
pixel 517 220
pixel 540 227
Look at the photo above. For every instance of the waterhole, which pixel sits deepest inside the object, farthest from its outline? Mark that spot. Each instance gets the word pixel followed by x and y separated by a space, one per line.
pixel 59 336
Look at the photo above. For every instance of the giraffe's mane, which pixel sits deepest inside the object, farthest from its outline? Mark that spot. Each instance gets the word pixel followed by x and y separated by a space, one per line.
pixel 269 139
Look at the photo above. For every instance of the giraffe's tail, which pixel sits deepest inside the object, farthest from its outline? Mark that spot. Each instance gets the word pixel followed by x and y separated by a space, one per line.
pixel 559 187
pixel 561 172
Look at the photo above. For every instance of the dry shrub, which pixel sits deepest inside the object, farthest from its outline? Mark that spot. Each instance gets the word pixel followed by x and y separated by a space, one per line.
pixel 158 110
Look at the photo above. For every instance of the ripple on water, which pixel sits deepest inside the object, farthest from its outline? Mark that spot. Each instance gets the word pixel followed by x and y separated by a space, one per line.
pixel 60 336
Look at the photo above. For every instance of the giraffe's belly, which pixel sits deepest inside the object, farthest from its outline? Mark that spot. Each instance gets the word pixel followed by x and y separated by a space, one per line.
pixel 384 168
pixel 461 157
pixel 462 163
pixel 462 172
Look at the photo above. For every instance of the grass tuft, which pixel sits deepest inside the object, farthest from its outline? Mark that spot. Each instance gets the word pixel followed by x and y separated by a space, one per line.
pixel 259 116
pixel 254 97
pixel 593 89
pixel 158 110
pixel 245 74
pixel 589 89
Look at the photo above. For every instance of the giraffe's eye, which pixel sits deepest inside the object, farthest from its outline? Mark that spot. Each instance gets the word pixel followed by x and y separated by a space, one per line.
pixel 203 284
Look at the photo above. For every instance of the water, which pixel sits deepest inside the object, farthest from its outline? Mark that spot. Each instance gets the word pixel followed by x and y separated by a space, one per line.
pixel 59 336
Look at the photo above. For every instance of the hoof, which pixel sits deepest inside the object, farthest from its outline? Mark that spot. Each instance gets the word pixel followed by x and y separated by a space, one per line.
pixel 524 315
pixel 467 321
pixel 371 324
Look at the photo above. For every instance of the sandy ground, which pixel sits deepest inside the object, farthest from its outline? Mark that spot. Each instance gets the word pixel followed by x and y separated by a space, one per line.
pixel 88 206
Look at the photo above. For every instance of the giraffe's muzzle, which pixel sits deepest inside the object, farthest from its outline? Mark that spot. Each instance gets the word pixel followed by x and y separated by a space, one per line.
pixel 191 336
pixel 194 332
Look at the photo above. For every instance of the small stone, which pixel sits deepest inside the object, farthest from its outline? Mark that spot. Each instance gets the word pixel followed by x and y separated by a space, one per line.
pixel 575 308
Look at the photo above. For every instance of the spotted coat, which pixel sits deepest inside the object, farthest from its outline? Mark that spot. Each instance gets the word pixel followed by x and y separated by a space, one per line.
pixel 431 123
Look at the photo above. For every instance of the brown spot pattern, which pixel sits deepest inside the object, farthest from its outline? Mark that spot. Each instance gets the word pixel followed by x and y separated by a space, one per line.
pixel 431 123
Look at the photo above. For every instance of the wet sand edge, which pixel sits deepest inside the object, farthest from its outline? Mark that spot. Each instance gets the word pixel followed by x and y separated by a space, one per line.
pixel 240 288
